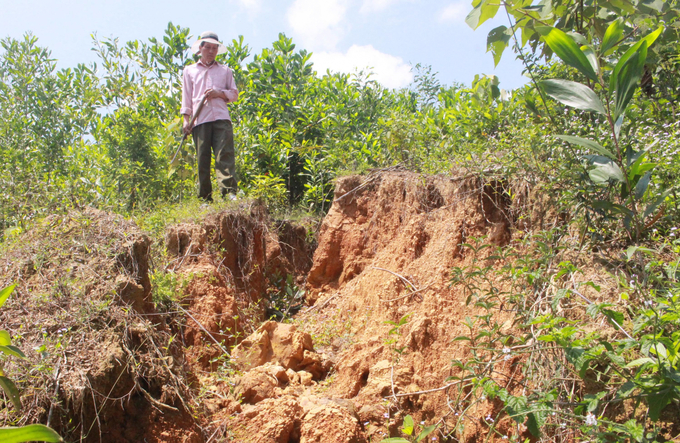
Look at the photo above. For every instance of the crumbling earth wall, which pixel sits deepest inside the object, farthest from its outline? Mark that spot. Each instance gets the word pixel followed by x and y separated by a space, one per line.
pixel 385 251
pixel 103 366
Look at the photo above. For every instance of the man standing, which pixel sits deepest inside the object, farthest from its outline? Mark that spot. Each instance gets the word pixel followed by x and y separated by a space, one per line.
pixel 212 131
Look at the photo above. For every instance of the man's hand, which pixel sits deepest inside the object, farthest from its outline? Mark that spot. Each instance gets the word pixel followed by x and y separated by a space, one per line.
pixel 187 127
pixel 211 93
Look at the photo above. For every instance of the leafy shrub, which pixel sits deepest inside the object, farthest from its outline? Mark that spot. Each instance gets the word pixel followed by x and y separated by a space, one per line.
pixel 635 362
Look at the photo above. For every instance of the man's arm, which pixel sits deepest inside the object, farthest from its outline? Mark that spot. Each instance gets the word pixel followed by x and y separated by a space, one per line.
pixel 187 109
pixel 230 92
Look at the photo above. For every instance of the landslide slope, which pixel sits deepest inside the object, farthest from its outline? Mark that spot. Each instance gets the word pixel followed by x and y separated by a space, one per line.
pixel 382 314
pixel 113 357
pixel 386 251
pixel 202 344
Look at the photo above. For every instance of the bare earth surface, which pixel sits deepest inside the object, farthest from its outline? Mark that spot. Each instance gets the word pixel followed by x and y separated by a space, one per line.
pixel 385 251
pixel 214 368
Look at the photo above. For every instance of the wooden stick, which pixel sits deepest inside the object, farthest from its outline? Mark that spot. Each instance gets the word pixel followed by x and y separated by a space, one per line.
pixel 193 120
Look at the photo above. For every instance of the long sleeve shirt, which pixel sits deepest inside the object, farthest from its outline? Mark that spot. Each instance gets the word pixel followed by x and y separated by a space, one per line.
pixel 197 79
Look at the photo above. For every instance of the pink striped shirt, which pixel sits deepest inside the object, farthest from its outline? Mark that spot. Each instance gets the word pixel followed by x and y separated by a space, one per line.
pixel 197 79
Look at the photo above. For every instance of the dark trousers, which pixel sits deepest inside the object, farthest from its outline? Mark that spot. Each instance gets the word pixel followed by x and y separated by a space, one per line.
pixel 215 137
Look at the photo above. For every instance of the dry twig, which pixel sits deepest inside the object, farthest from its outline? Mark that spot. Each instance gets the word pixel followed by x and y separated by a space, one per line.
pixel 410 286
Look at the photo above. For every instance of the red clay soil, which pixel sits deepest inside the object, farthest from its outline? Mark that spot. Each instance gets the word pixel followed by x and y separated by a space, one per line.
pixel 381 231
pixel 385 252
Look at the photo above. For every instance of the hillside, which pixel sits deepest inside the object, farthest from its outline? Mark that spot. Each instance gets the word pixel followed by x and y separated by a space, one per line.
pixel 451 263
pixel 122 348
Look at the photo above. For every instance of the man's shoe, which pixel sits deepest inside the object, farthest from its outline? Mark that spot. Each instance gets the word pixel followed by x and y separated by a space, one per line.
pixel 227 195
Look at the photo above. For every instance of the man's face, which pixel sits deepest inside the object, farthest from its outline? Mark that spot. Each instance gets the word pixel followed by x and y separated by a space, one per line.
pixel 209 52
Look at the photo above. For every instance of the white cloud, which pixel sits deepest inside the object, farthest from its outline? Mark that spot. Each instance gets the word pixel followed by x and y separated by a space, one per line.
pixel 318 24
pixel 369 6
pixel 389 70
pixel 455 12
pixel 251 6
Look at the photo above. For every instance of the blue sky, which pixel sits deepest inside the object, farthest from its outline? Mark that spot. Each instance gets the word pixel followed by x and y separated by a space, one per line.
pixel 389 36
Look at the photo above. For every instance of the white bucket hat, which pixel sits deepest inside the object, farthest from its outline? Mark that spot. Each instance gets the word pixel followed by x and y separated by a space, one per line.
pixel 208 37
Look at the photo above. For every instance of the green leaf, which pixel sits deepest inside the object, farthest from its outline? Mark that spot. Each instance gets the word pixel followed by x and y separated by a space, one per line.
pixel 5 293
pixel 659 350
pixel 604 170
pixel 29 433
pixel 586 143
pixel 566 48
pixel 576 356
pixel 473 17
pixel 427 430
pixel 527 33
pixel 496 42
pixel 394 440
pixel 635 162
pixel 674 375
pixel 641 169
pixel 591 56
pixel 636 430
pixel 11 390
pixel 655 204
pixel 516 407
pixel 658 401
pixel 641 186
pixel 578 38
pixel 626 389
pixel 12 350
pixel 620 209
pixel 534 424
pixel 649 40
pixel 5 339
pixel 613 316
pixel 640 362
pixel 625 6
pixel 656 5
pixel 573 94
pixel 612 36
pixel 592 401
pixel 633 159
pixel 484 11
pixel 627 77
pixel 408 425
pixel 633 249
pixel 617 126
pixel 489 9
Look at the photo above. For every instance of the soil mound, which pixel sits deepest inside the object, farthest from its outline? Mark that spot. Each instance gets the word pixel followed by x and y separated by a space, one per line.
pixel 385 252
pixel 232 266
pixel 382 273
pixel 115 365
pixel 205 361
pixel 103 365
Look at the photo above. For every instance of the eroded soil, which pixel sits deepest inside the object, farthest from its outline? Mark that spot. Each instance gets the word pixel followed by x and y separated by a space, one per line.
pixel 373 342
